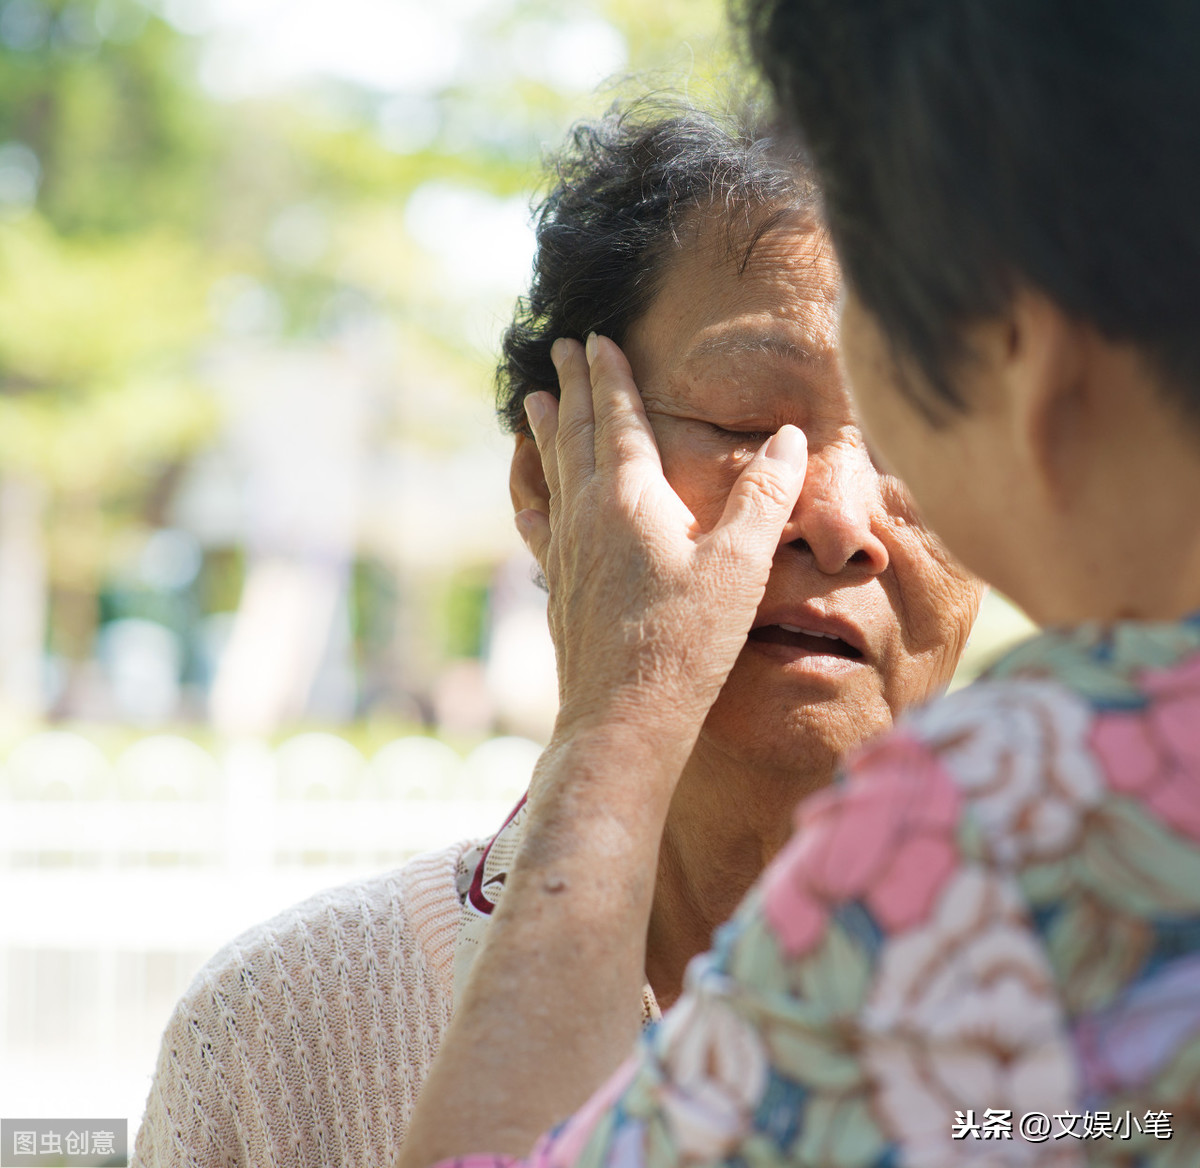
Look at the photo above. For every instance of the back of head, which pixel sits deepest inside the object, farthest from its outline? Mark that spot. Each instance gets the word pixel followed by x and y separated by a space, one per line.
pixel 968 147
pixel 624 189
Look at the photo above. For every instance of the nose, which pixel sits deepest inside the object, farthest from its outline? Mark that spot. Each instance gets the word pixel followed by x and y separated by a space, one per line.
pixel 833 517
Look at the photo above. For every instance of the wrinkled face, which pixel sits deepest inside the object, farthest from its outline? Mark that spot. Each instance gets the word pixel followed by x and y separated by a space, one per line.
pixel 864 613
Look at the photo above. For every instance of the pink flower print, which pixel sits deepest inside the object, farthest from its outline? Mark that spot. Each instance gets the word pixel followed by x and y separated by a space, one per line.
pixel 964 1015
pixel 1153 754
pixel 887 837
pixel 1019 753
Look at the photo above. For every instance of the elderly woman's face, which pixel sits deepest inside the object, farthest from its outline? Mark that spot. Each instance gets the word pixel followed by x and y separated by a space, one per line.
pixel 864 612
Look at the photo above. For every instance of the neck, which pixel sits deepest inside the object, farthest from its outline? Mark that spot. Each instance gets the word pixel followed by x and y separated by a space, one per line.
pixel 726 822
pixel 1129 546
pixel 1095 518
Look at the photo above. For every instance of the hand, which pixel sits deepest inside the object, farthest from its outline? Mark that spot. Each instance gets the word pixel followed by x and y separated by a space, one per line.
pixel 647 611
pixel 648 614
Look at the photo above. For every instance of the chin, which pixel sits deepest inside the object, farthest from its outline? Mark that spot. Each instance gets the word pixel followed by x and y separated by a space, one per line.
pixel 809 738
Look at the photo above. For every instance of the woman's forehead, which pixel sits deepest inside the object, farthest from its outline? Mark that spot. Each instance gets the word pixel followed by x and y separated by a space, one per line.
pixel 714 314
pixel 789 276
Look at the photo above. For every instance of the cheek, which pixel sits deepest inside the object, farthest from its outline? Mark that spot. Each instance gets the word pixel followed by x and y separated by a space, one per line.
pixel 935 601
pixel 936 592
pixel 702 480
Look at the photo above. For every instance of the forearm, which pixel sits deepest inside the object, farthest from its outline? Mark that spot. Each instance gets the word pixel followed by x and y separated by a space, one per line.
pixel 648 613
pixel 552 1006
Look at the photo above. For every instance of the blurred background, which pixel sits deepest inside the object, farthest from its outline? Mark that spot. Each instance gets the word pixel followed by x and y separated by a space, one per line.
pixel 265 623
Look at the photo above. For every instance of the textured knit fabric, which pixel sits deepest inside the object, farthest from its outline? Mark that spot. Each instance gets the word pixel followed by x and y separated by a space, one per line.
pixel 305 1041
pixel 981 949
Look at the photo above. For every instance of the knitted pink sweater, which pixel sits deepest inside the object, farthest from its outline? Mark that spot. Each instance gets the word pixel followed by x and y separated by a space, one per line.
pixel 305 1041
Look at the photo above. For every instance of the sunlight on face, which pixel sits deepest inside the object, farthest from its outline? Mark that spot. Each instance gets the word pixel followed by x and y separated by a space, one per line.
pixel 954 470
pixel 864 612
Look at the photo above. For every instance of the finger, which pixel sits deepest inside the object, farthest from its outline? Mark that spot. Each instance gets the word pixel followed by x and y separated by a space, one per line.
pixel 624 436
pixel 534 528
pixel 541 408
pixel 576 424
pixel 762 499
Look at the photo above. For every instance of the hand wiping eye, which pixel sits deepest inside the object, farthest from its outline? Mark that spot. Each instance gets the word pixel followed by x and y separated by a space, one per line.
pixel 614 516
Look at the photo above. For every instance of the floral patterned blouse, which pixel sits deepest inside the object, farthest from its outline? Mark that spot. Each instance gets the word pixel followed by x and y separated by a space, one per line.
pixel 980 948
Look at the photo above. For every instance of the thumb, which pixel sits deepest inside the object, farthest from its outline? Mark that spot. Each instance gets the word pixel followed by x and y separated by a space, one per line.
pixel 763 496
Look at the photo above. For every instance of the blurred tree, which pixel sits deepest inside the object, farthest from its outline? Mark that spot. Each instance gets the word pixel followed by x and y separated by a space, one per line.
pixel 104 149
pixel 146 222
pixel 99 91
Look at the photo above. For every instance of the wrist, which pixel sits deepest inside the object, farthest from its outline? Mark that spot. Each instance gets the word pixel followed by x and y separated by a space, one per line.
pixel 604 757
pixel 603 786
pixel 651 730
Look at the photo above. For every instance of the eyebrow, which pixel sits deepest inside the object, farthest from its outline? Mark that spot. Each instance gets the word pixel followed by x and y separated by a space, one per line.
pixel 744 345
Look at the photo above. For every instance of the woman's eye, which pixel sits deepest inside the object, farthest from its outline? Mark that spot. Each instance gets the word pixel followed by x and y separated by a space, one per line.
pixel 753 438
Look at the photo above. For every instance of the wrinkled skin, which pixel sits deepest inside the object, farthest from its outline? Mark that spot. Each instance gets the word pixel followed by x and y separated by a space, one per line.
pixel 650 613
pixel 667 532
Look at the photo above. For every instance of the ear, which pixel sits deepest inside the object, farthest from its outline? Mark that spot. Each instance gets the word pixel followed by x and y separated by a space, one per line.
pixel 1047 386
pixel 526 479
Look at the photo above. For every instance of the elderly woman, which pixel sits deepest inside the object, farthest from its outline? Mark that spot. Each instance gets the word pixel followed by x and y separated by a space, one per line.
pixel 982 947
pixel 305 1041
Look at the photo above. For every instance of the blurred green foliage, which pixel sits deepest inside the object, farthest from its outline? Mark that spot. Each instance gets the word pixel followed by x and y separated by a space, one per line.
pixel 104 149
pixel 99 91
pixel 132 200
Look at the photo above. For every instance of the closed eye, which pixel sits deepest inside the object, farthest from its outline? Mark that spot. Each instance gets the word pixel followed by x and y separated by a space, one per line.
pixel 742 437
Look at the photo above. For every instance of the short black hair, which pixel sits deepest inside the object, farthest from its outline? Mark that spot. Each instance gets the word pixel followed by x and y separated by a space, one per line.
pixel 624 188
pixel 970 147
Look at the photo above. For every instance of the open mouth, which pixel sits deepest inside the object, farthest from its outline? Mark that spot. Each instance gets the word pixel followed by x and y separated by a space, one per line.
pixel 798 638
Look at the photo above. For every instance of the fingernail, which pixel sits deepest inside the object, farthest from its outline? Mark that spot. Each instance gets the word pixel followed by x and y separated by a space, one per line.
pixel 788 445
pixel 590 348
pixel 558 352
pixel 535 409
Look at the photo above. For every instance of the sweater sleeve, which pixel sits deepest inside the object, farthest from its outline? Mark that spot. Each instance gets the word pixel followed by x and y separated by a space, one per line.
pixel 305 1041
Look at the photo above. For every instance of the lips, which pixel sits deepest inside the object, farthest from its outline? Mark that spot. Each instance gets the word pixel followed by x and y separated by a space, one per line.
pixel 796 638
pixel 812 632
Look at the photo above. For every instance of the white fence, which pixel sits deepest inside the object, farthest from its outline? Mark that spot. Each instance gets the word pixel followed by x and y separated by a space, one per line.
pixel 118 879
